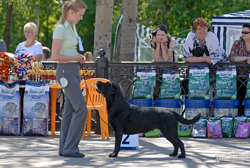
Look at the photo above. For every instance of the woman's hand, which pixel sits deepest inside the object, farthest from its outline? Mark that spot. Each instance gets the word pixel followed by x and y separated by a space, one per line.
pixel 248 60
pixel 208 59
pixel 163 45
pixel 154 39
pixel 80 58
pixel 165 40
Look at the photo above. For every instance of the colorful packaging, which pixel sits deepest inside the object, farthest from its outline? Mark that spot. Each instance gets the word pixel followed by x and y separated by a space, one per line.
pixel 237 119
pixel 227 126
pixel 191 112
pixel 184 130
pixel 170 88
pixel 4 66
pixel 9 108
pixel 35 108
pixel 226 83
pixel 145 84
pixel 200 128
pixel 24 62
pixel 198 82
pixel 219 112
pixel 243 130
pixel 214 128
pixel 153 134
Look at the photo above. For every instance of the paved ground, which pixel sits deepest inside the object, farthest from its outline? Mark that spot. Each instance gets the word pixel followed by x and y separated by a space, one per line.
pixel 31 151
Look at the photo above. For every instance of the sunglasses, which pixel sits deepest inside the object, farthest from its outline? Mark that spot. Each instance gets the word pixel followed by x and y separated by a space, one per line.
pixel 162 26
pixel 246 32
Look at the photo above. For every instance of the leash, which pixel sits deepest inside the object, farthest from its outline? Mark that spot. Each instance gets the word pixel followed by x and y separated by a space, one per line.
pixel 87 89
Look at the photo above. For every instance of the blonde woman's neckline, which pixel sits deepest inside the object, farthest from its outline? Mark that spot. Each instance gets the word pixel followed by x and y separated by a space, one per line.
pixel 29 45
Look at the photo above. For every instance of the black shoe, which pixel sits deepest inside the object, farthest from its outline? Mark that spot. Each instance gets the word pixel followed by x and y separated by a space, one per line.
pixel 74 155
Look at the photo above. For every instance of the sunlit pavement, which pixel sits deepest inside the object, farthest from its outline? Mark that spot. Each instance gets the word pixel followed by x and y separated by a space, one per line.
pixel 34 151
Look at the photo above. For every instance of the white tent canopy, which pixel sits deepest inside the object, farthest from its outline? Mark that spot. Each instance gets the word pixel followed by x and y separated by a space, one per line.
pixel 228 27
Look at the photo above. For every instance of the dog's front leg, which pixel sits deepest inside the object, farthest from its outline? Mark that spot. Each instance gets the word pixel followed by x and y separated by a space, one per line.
pixel 118 139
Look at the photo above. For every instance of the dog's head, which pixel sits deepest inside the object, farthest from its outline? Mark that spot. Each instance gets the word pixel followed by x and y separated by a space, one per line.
pixel 106 89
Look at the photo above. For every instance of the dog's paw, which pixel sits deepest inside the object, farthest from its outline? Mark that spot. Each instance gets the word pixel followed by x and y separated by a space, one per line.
pixel 173 154
pixel 113 155
pixel 181 156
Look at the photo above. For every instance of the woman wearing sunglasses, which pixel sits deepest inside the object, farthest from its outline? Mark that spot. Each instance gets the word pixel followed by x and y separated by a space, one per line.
pixel 202 45
pixel 240 50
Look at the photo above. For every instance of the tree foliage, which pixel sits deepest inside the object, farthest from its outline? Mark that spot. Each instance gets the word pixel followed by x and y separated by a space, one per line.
pixel 47 14
pixel 180 14
pixel 177 15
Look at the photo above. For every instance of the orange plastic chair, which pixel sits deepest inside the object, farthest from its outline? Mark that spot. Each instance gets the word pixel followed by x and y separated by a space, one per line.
pixel 95 101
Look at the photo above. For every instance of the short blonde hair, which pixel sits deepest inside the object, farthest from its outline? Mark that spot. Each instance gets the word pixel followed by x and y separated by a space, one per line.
pixel 88 56
pixel 30 25
pixel 200 22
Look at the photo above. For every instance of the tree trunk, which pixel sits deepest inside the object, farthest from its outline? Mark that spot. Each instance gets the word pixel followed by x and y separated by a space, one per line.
pixel 103 27
pixel 164 9
pixel 125 47
pixel 37 20
pixel 102 36
pixel 7 29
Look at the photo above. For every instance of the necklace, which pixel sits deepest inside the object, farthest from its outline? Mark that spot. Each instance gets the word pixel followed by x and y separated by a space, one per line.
pixel 29 45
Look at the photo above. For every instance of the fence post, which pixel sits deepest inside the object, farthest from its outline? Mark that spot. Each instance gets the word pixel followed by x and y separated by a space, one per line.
pixel 101 65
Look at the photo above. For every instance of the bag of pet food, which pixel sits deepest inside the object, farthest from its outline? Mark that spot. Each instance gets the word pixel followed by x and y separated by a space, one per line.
pixel 243 130
pixel 214 128
pixel 200 128
pixel 145 84
pixel 35 108
pixel 184 130
pixel 227 126
pixel 220 112
pixel 191 112
pixel 237 119
pixel 226 83
pixel 153 134
pixel 199 82
pixel 9 108
pixel 170 88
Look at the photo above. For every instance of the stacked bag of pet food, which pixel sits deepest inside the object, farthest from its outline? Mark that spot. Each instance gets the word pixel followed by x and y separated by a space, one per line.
pixel 35 108
pixel 9 108
pixel 226 122
pixel 169 96
pixel 198 102
pixel 142 91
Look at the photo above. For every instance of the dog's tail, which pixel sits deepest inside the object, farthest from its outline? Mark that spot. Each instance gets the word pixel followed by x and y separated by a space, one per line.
pixel 187 121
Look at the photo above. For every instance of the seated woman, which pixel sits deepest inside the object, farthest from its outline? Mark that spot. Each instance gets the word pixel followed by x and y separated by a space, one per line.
pixel 240 50
pixel 162 46
pixel 31 46
pixel 202 45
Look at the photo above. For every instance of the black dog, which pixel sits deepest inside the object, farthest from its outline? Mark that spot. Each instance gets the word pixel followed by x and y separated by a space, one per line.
pixel 129 119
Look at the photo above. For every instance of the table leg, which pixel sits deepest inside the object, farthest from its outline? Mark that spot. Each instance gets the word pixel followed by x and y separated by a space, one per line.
pixel 53 110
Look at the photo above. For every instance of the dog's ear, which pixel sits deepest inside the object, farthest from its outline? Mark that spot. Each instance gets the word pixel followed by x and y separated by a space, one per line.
pixel 114 88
